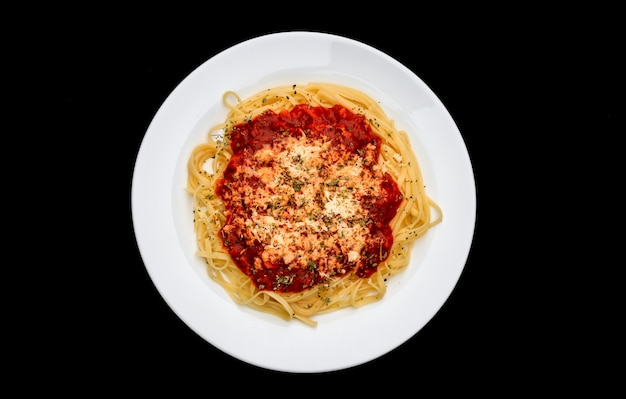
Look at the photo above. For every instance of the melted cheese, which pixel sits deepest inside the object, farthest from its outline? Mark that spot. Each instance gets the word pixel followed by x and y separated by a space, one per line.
pixel 311 200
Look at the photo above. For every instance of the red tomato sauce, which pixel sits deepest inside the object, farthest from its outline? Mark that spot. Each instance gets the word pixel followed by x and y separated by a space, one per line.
pixel 349 132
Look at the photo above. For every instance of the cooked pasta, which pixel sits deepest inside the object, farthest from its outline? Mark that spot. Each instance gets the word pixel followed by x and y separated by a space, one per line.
pixel 306 200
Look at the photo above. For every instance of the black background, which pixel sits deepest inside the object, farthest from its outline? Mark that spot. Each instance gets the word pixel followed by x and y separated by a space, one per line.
pixel 511 82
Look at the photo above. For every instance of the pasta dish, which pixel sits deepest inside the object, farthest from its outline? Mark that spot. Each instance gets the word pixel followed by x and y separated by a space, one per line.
pixel 306 200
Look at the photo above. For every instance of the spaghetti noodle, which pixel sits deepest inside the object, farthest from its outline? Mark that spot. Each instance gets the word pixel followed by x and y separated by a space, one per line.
pixel 306 199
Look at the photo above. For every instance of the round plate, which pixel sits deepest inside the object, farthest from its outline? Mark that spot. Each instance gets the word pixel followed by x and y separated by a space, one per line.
pixel 163 218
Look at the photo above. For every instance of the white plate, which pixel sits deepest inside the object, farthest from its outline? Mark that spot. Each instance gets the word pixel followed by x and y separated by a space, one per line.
pixel 162 211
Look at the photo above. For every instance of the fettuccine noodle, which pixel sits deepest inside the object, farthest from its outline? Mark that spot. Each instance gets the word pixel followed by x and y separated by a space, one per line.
pixel 207 166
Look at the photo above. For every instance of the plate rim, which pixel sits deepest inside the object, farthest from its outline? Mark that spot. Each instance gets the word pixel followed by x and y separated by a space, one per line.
pixel 160 112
